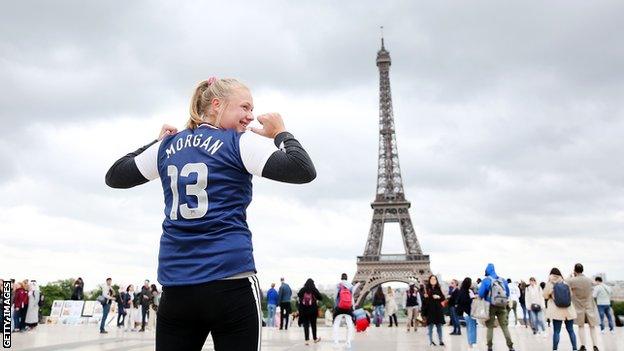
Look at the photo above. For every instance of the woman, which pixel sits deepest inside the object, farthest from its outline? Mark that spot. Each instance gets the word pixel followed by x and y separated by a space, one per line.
pixel 308 309
pixel 432 308
pixel 206 263
pixel 21 305
pixel 412 304
pixel 32 314
pixel 77 294
pixel 465 296
pixel 154 306
pixel 391 307
pixel 559 315
pixel 536 305
pixel 128 300
pixel 379 304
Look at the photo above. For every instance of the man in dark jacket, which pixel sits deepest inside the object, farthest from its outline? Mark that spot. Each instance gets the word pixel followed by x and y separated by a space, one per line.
pixel 491 283
pixel 146 296
pixel 284 296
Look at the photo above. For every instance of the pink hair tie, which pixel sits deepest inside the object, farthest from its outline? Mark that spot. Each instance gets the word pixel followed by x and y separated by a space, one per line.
pixel 211 80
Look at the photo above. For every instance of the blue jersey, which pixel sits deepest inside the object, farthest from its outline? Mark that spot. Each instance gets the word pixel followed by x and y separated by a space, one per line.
pixel 207 187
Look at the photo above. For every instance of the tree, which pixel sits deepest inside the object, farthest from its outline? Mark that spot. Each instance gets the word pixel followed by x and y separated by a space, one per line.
pixel 57 290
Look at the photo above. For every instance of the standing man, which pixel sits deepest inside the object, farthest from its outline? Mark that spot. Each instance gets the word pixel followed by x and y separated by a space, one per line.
pixel 452 303
pixel 146 296
pixel 284 296
pixel 106 299
pixel 272 301
pixel 602 294
pixel 586 310
pixel 495 290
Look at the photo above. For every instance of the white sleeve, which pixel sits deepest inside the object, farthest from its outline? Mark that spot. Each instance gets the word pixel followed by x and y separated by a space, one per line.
pixel 255 150
pixel 147 162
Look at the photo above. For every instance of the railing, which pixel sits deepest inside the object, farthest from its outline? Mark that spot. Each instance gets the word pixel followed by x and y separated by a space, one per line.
pixel 393 258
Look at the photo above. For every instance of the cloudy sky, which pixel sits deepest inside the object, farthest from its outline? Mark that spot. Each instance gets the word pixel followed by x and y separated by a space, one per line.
pixel 509 125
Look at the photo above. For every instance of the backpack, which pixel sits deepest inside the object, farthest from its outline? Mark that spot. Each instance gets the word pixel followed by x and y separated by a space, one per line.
pixel 562 295
pixel 498 294
pixel 345 298
pixel 308 299
pixel 41 300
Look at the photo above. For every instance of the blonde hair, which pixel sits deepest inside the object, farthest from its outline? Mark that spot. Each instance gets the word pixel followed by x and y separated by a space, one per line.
pixel 205 92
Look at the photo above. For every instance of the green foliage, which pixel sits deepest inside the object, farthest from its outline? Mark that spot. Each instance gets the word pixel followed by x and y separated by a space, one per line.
pixel 618 308
pixel 93 294
pixel 58 290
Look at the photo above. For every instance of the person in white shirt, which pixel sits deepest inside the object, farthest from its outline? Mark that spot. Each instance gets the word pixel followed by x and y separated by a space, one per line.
pixel 514 299
pixel 536 304
pixel 602 294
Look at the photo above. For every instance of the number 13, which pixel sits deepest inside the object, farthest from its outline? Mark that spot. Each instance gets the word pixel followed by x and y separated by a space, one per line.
pixel 198 190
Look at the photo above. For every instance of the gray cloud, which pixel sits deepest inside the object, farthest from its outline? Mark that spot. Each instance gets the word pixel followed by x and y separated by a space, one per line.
pixel 508 116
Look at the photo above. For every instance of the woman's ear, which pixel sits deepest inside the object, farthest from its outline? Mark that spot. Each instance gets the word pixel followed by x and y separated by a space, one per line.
pixel 215 103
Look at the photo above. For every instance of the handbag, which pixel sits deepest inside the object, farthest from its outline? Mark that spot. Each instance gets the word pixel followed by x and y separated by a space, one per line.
pixel 480 309
pixel 536 307
pixel 101 299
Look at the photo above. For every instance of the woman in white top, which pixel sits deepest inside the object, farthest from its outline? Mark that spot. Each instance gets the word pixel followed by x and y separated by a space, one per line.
pixel 535 301
pixel 391 307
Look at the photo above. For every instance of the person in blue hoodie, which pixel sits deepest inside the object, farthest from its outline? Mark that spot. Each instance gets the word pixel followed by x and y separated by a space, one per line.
pixel 495 290
pixel 272 301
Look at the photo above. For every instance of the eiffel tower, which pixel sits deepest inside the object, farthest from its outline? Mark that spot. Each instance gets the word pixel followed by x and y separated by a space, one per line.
pixel 390 206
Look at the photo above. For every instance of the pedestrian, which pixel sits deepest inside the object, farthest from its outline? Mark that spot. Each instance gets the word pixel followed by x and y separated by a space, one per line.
pixel 154 302
pixel 121 309
pixel 106 298
pixel 21 305
pixel 129 306
pixel 495 290
pixel 272 302
pixel 391 307
pixel 514 300
pixel 78 290
pixel 432 308
pixel 32 313
pixel 602 294
pixel 452 303
pixel 587 312
pixel 537 305
pixel 522 287
pixel 412 305
pixel 465 296
pixel 344 309
pixel 379 305
pixel 146 300
pixel 284 296
pixel 206 261
pixel 560 308
pixel 308 309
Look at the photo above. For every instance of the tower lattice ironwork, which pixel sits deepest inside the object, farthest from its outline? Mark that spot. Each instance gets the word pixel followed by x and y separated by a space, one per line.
pixel 389 206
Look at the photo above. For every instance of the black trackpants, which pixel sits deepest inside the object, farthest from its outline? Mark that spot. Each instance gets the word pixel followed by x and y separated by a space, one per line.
pixel 229 309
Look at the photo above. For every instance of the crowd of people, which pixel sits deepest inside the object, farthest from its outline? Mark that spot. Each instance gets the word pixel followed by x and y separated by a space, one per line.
pixel 557 302
pixel 27 301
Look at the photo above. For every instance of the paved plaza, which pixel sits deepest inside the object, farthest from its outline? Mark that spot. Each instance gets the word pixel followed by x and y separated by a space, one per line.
pixel 86 337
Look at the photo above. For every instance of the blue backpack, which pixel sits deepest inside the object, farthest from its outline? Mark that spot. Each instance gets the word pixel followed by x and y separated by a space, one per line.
pixel 562 295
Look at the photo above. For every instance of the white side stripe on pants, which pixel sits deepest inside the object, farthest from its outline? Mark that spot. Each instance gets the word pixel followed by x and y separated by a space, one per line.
pixel 255 290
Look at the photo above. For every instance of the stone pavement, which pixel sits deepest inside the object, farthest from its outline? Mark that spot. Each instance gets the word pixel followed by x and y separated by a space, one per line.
pixel 86 338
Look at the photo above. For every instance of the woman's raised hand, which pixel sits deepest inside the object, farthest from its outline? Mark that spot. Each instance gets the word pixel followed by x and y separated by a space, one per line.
pixel 272 125
pixel 167 130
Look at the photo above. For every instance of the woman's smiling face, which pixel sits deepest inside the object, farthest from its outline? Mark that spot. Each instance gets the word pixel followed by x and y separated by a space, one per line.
pixel 238 110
